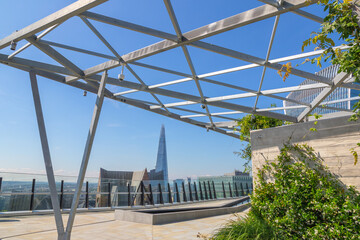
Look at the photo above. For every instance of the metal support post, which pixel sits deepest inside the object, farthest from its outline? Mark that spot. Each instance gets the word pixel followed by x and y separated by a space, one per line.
pixel 177 193
pixel 201 193
pixel 47 157
pixel 230 190
pixel 223 189
pixel 210 194
pixel 242 189
pixel 87 151
pixel 61 194
pixel 236 190
pixel 32 195
pixel 169 193
pixel 151 195
pixel 129 195
pixel 161 199
pixel 206 195
pixel 196 192
pixel 184 192
pixel 214 190
pixel 190 192
pixel 109 195
pixel 0 183
pixel 142 201
pixel 87 194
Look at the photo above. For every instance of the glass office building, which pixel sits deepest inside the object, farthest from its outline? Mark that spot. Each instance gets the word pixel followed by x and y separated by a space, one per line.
pixel 236 180
pixel 341 98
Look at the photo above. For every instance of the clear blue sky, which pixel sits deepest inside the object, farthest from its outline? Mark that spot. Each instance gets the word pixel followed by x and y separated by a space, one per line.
pixel 127 137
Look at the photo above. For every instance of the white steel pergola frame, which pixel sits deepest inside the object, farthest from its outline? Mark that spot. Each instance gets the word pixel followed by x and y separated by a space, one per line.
pixel 68 73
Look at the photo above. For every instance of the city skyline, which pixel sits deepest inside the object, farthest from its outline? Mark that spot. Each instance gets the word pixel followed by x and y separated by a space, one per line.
pixel 127 137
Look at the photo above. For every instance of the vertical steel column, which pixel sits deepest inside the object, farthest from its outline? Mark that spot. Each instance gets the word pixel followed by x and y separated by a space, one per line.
pixel 242 189
pixel 151 195
pixel 177 193
pixel 161 199
pixel 206 195
pixel 210 194
pixel 214 190
pixel 230 190
pixel 87 194
pixel 236 190
pixel 46 155
pixel 190 192
pixel 32 195
pixel 201 193
pixel 87 151
pixel 142 201
pixel 184 192
pixel 61 194
pixel 129 195
pixel 0 183
pixel 109 194
pixel 196 192
pixel 223 189
pixel 169 193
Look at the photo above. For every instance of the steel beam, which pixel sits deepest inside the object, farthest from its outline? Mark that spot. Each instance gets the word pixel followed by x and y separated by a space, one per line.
pixel 100 36
pixel 297 11
pixel 128 25
pixel 48 67
pixel 47 158
pixel 187 54
pixel 259 61
pixel 29 44
pixel 55 18
pixel 236 21
pixel 56 56
pixel 133 102
pixel 186 97
pixel 86 155
pixel 44 70
pixel 337 81
pixel 229 70
pixel 108 45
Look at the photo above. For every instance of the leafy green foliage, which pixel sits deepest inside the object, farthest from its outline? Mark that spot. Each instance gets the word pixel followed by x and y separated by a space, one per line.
pixel 355 154
pixel 356 109
pixel 246 155
pixel 341 19
pixel 301 199
pixel 253 122
pixel 286 68
pixel 250 227
pixel 316 116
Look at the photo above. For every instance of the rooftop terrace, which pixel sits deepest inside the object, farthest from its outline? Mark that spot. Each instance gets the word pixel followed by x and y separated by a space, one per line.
pixel 102 225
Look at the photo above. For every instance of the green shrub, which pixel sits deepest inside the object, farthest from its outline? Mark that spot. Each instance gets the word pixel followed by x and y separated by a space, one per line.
pixel 250 227
pixel 301 199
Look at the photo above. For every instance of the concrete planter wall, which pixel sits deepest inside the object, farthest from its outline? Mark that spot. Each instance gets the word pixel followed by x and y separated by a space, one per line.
pixel 332 140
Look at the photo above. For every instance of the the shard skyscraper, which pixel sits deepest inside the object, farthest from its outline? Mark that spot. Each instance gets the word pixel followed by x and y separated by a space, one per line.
pixel 161 162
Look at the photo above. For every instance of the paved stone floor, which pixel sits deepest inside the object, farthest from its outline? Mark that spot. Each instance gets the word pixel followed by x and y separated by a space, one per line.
pixel 101 225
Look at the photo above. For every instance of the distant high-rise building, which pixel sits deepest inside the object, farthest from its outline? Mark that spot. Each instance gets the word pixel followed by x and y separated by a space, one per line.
pixel 340 98
pixel 238 181
pixel 161 162
pixel 120 181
